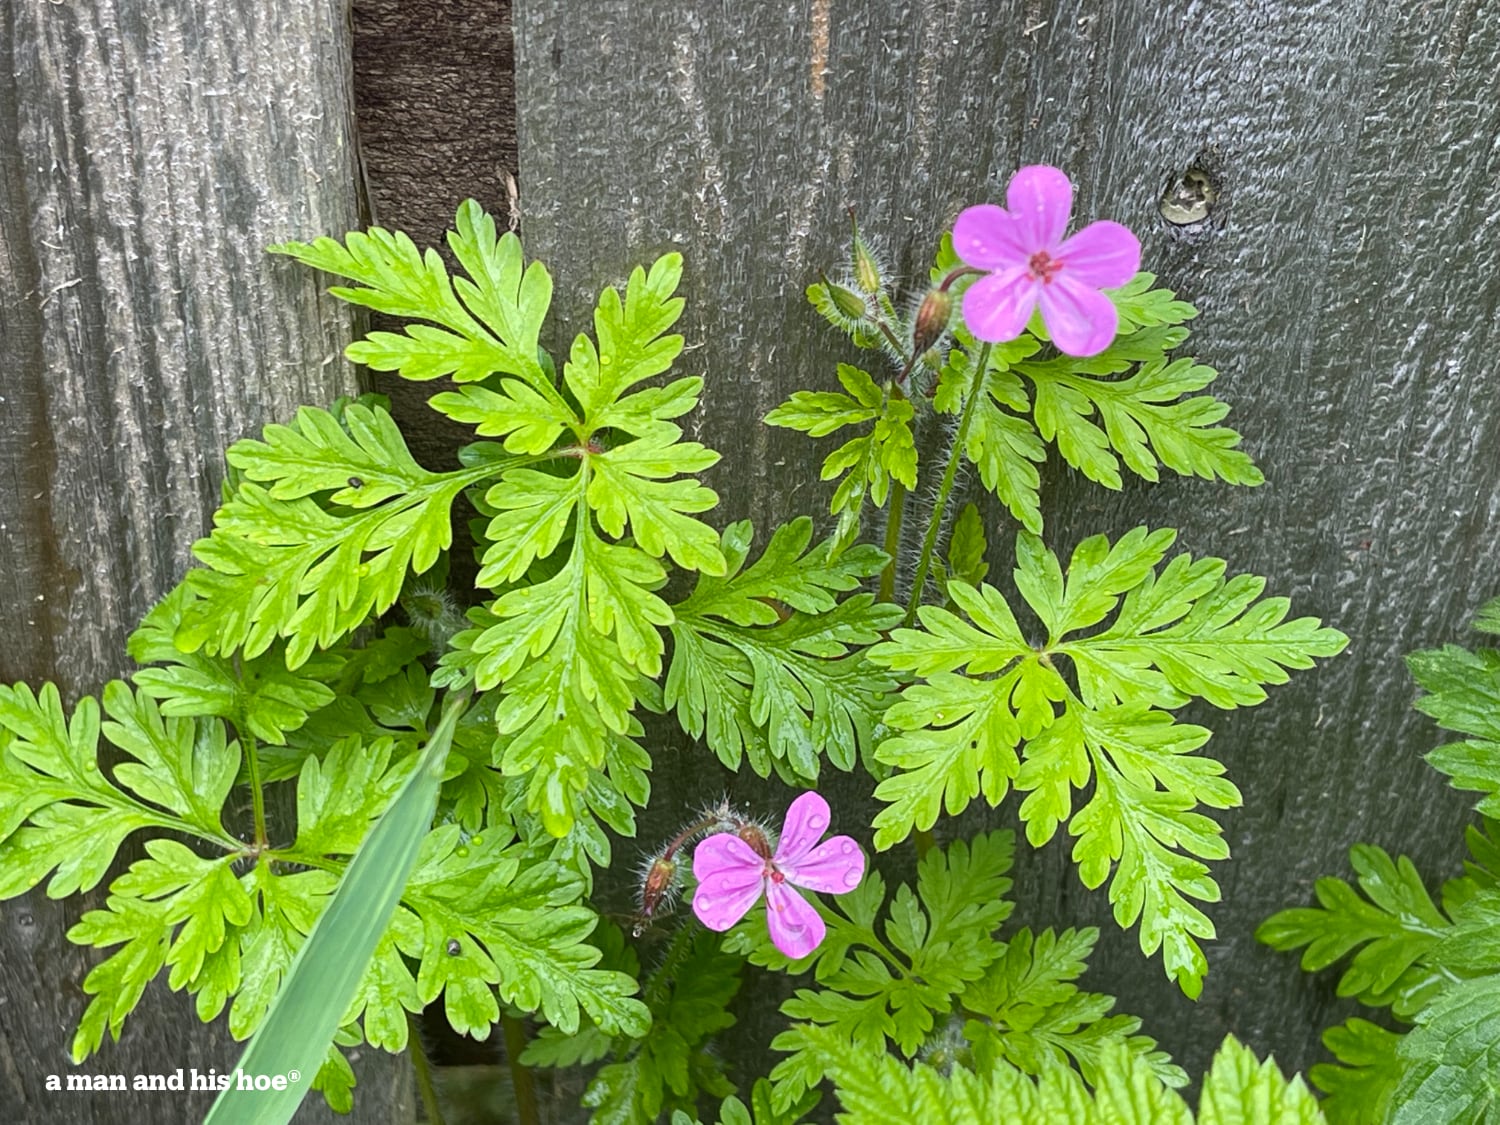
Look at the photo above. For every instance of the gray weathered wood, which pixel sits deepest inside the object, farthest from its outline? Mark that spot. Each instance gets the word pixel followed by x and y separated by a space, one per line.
pixel 1348 298
pixel 151 152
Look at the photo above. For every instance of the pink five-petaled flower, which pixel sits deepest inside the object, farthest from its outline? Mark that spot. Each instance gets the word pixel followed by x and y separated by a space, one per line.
pixel 733 870
pixel 1029 263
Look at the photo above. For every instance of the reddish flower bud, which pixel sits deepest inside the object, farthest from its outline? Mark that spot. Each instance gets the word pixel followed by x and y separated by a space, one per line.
pixel 660 882
pixel 756 836
pixel 933 316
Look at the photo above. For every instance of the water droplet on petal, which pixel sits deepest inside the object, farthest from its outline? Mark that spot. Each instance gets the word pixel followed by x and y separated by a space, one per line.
pixel 725 883
pixel 848 848
pixel 703 902
pixel 816 822
pixel 851 878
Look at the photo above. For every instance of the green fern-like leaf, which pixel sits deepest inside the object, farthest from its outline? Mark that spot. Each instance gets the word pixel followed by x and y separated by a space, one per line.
pixel 767 663
pixel 1392 932
pixel 893 983
pixel 993 710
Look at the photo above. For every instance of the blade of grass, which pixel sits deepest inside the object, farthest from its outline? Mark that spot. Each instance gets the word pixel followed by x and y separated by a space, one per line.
pixel 328 968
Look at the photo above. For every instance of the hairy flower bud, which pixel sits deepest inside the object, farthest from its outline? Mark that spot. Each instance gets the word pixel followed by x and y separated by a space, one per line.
pixel 660 882
pixel 432 613
pixel 933 316
pixel 846 300
pixel 866 268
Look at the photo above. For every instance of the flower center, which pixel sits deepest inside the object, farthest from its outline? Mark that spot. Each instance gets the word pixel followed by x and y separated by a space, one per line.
pixel 775 876
pixel 1043 267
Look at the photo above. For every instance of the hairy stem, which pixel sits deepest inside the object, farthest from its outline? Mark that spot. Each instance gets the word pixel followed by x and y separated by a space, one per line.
pixel 897 500
pixel 520 1075
pixel 423 1069
pixel 935 524
pixel 893 541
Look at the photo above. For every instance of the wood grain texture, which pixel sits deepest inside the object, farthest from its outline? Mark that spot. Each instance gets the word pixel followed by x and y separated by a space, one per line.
pixel 151 152
pixel 1348 297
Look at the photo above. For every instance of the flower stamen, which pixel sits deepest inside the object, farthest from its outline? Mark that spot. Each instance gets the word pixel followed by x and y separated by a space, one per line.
pixel 1043 267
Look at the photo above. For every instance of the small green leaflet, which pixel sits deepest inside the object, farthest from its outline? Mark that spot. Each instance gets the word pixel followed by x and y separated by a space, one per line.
pixel 1450 1059
pixel 867 463
pixel 59 813
pixel 991 711
pixel 1464 696
pixel 672 1066
pixel 767 662
pixel 483 324
pixel 1238 1090
pixel 892 984
pixel 1036 1018
pixel 347 515
pixel 1393 932
pixel 1358 1089
pixel 258 695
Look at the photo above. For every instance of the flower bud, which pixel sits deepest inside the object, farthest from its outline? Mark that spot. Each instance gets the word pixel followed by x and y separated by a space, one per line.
pixel 660 882
pixel 847 301
pixel 758 838
pixel 866 268
pixel 931 322
pixel 432 613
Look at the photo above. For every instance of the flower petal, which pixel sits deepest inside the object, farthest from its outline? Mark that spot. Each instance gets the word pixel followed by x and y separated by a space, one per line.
pixel 997 307
pixel 1041 199
pixel 835 867
pixel 1103 254
pixel 730 877
pixel 806 821
pixel 1080 319
pixel 796 927
pixel 989 237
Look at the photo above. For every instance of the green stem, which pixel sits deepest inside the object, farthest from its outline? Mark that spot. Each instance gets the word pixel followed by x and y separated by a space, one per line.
pixel 423 1070
pixel 520 1075
pixel 257 794
pixel 893 540
pixel 897 499
pixel 935 525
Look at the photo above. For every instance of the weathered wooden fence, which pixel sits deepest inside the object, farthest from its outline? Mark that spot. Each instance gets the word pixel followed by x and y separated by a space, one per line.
pixel 151 152
pixel 1348 287
pixel 1348 292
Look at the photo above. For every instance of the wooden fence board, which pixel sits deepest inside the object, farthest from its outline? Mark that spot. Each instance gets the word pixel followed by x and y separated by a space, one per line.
pixel 1348 292
pixel 151 152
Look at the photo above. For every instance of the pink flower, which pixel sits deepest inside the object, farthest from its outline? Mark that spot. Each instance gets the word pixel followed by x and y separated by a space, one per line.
pixel 733 869
pixel 1029 263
